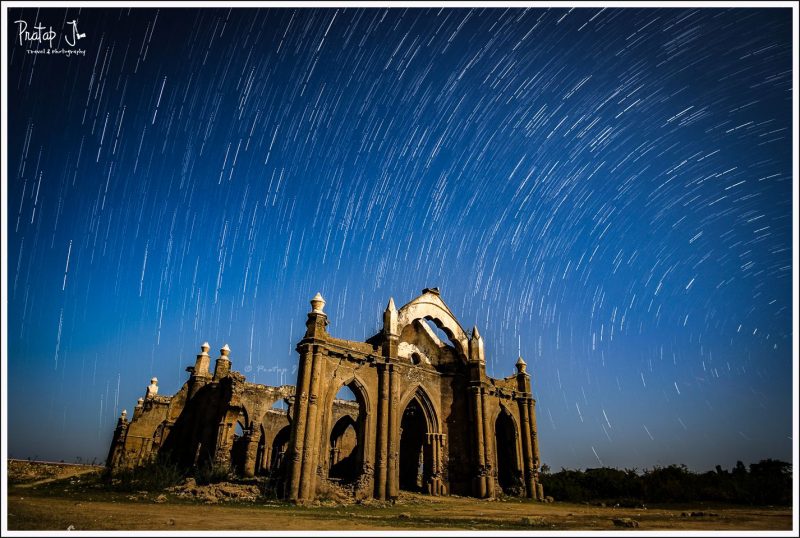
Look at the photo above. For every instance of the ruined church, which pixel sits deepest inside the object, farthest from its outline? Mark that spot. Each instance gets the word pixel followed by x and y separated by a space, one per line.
pixel 425 418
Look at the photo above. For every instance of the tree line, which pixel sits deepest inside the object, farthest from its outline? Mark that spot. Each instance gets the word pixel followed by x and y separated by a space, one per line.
pixel 768 482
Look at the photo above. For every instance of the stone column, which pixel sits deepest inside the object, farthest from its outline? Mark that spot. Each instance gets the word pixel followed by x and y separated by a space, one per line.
pixel 535 447
pixel 383 424
pixel 298 431
pixel 391 476
pixel 311 444
pixel 479 485
pixel 527 455
pixel 250 455
pixel 488 442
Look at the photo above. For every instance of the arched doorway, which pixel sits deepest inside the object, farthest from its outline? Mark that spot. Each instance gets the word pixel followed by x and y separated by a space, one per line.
pixel 415 455
pixel 262 445
pixel 239 444
pixel 346 439
pixel 278 453
pixel 505 449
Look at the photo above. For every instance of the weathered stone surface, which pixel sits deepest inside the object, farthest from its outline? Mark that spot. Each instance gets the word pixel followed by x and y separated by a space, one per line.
pixel 426 417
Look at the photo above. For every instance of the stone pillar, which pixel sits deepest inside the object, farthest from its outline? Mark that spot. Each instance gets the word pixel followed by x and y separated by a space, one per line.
pixel 392 473
pixel 223 365
pixel 200 373
pixel 298 430
pixel 479 483
pixel 311 443
pixel 488 443
pixel 250 455
pixel 535 447
pixel 383 425
pixel 301 443
pixel 527 454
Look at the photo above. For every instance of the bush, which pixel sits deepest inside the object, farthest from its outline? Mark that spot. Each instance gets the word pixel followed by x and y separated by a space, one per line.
pixel 153 476
pixel 212 473
pixel 767 482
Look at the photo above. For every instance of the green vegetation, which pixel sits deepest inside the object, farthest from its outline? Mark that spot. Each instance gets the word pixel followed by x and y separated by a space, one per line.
pixel 153 476
pixel 768 482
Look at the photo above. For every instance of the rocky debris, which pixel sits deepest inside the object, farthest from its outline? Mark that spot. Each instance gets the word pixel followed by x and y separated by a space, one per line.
pixel 215 493
pixel 549 499
pixel 404 515
pixel 625 522
pixel 699 514
pixel 160 499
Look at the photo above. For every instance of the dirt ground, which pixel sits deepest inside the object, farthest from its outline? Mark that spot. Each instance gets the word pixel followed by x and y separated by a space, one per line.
pixel 57 502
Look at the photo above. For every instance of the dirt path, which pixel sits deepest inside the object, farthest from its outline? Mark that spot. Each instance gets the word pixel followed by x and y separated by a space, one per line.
pixel 412 512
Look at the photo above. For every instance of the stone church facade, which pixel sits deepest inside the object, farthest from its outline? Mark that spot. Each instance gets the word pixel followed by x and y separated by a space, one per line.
pixel 425 418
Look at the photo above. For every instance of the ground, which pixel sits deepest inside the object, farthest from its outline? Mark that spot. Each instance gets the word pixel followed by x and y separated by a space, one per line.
pixel 59 497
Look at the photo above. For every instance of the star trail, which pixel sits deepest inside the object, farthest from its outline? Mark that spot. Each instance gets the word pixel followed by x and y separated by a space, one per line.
pixel 604 191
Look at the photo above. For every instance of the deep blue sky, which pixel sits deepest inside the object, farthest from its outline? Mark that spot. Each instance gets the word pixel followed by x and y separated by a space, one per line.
pixel 606 190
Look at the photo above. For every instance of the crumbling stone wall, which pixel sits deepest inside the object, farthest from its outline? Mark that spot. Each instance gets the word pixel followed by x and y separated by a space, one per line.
pixel 426 416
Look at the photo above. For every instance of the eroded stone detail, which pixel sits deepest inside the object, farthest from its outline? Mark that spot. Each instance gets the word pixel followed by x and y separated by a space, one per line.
pixel 426 417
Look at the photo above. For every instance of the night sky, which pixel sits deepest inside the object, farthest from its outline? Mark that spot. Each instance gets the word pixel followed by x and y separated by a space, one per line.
pixel 607 192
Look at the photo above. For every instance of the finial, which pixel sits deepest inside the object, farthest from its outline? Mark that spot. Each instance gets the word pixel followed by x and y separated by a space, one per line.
pixel 520 365
pixel 520 361
pixel 225 351
pixel 139 402
pixel 434 291
pixel 391 306
pixel 154 381
pixel 124 413
pixel 205 347
pixel 475 333
pixel 317 304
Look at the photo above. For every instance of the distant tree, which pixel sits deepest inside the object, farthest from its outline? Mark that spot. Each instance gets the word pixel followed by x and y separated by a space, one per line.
pixel 545 469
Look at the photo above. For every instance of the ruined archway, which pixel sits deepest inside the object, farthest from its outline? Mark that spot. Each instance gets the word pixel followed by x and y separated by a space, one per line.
pixel 505 449
pixel 346 437
pixel 239 444
pixel 418 462
pixel 278 454
pixel 344 442
pixel 414 466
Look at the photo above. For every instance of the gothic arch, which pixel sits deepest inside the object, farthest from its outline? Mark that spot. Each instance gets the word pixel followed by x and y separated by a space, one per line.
pixel 440 316
pixel 429 409
pixel 507 453
pixel 362 423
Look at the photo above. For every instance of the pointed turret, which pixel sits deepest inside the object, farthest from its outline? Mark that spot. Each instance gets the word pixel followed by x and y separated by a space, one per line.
pixel 317 304
pixel 390 318
pixel 317 318
pixel 223 366
pixel 520 366
pixel 476 347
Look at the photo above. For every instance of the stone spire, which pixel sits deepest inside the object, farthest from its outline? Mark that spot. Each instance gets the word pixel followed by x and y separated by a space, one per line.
pixel 317 318
pixel 476 346
pixel 223 365
pixel 203 361
pixel 317 304
pixel 390 318
pixel 152 388
pixel 520 366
